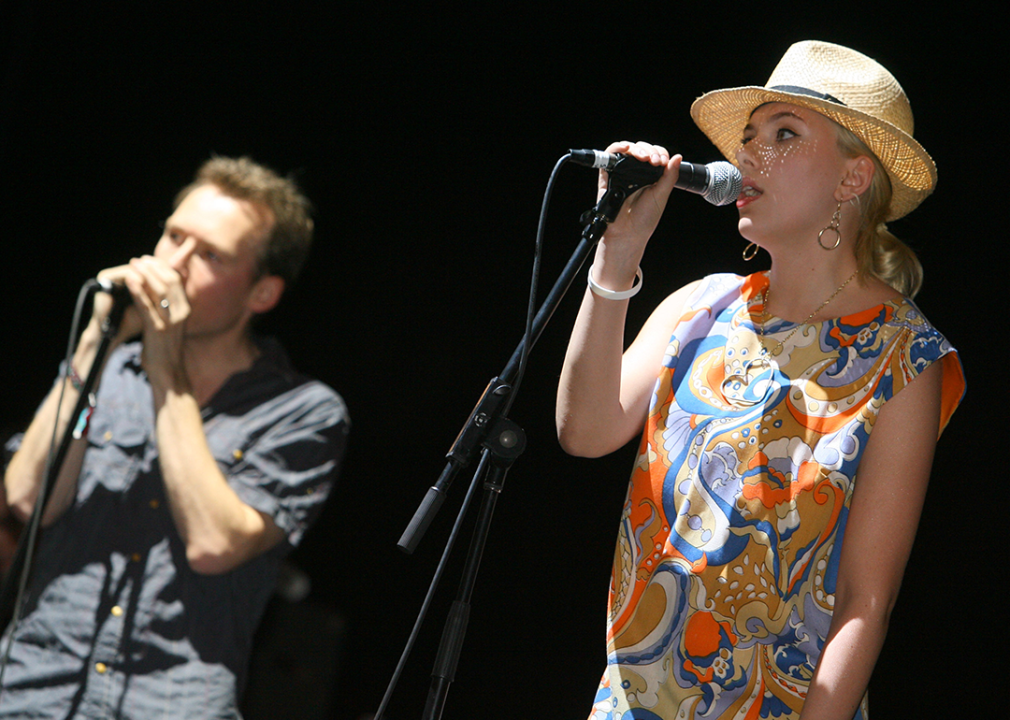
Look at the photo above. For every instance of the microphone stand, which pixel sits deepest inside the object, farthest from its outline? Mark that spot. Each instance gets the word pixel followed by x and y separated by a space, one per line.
pixel 21 564
pixel 498 391
pixel 502 442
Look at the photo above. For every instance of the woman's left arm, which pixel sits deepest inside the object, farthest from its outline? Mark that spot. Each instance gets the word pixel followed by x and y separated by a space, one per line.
pixel 890 489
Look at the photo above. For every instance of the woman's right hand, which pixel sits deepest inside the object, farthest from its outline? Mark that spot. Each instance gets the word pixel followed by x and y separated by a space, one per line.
pixel 623 244
pixel 603 394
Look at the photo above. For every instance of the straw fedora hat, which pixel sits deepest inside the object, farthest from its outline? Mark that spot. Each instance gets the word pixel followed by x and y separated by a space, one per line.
pixel 846 86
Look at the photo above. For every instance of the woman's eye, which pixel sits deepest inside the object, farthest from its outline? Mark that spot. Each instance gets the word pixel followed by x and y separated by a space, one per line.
pixel 746 140
pixel 784 134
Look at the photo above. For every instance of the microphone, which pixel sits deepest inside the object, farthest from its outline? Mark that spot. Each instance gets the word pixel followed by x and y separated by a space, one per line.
pixel 121 300
pixel 718 182
pixel 119 292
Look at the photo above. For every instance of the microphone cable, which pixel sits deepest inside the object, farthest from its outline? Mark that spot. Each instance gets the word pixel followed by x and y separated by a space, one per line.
pixel 22 563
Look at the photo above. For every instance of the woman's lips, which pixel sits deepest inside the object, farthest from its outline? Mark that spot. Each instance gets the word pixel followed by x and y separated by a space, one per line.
pixel 748 194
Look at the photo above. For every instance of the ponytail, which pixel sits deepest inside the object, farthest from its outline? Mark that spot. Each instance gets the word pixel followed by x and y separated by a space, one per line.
pixel 878 252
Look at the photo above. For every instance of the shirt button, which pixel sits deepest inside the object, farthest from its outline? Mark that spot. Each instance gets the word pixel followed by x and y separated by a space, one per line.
pixel 237 454
pixel 154 504
pixel 117 611
pixel 101 668
pixel 108 435
pixel 135 557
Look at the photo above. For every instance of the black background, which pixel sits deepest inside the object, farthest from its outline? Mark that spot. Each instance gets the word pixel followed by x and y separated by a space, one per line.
pixel 425 135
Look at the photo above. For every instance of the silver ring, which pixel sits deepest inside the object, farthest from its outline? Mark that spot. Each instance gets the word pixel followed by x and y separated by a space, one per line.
pixel 165 303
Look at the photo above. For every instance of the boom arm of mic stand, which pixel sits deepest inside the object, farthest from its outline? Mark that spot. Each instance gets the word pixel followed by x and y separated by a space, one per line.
pixel 491 404
pixel 468 441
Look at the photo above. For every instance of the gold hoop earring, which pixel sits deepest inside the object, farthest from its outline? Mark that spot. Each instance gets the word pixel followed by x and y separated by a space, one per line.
pixel 836 220
pixel 750 251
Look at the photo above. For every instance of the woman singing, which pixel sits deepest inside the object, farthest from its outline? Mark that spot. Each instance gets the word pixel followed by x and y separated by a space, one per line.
pixel 783 412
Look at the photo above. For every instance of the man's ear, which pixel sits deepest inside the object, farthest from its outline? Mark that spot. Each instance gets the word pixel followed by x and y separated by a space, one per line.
pixel 857 178
pixel 266 293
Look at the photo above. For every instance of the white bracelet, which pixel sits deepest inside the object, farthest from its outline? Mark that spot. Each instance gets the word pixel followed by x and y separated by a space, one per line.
pixel 614 294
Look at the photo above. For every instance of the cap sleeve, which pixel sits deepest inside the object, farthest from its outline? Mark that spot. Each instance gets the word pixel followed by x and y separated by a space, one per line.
pixel 923 346
pixel 288 461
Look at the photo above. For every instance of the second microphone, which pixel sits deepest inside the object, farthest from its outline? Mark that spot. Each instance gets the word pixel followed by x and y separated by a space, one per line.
pixel 718 182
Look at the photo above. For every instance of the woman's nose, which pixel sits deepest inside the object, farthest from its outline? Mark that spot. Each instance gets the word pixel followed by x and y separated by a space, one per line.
pixel 746 155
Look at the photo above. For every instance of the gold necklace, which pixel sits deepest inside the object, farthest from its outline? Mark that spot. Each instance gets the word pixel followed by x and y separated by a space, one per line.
pixel 735 386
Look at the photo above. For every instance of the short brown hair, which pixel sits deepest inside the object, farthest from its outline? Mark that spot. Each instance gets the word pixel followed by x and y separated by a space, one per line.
pixel 290 235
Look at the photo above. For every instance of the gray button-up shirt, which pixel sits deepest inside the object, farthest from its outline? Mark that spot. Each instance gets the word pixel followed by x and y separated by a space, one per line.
pixel 117 625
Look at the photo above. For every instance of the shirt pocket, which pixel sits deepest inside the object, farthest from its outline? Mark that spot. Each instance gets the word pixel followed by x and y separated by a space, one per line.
pixel 119 448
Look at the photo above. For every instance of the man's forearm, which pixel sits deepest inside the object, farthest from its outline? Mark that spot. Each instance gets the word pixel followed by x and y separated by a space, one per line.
pixel 25 472
pixel 220 531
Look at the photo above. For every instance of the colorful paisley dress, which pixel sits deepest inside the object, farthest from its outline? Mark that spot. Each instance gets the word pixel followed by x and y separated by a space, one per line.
pixel 727 556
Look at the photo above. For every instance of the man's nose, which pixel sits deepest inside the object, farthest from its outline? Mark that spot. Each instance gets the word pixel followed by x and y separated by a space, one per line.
pixel 179 261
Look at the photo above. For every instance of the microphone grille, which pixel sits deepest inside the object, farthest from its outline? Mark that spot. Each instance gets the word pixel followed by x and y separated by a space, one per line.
pixel 725 185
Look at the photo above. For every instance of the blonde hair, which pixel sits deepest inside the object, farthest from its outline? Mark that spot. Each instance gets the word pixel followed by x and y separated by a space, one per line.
pixel 878 252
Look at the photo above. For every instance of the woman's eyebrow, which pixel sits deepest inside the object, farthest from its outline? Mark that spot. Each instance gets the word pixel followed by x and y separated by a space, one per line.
pixel 776 116
pixel 785 113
